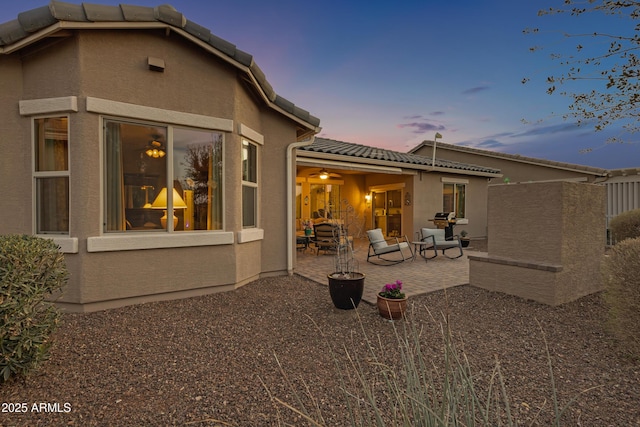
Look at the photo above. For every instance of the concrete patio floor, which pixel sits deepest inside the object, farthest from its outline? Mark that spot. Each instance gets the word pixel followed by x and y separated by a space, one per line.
pixel 418 277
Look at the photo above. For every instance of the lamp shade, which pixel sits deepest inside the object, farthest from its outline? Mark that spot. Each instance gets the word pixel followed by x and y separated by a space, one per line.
pixel 161 201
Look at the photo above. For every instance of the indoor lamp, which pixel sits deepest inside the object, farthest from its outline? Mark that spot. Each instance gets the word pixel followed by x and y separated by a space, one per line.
pixel 161 203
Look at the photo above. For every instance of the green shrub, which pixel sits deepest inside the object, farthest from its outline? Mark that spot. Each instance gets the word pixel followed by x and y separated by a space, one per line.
pixel 626 225
pixel 31 269
pixel 621 270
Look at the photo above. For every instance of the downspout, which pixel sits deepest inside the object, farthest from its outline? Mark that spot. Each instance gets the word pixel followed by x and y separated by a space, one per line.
pixel 291 179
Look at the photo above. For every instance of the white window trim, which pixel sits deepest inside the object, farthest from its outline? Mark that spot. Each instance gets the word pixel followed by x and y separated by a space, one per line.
pixel 146 240
pixel 250 134
pixel 49 107
pixel 68 245
pixel 248 236
pixel 125 110
pixel 50 174
pixel 31 107
pixel 454 180
pixel 121 111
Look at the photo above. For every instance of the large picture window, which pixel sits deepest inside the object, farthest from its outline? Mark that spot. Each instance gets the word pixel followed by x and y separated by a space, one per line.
pixel 453 198
pixel 162 178
pixel 51 174
pixel 249 185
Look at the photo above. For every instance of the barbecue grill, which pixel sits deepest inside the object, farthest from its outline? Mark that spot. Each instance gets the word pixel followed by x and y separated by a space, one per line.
pixel 445 220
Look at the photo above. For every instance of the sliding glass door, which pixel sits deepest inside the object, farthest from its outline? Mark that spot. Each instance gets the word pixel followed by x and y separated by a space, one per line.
pixel 387 212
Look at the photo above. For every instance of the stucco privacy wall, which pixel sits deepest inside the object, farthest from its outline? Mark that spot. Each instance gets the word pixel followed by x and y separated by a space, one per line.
pixel 112 65
pixel 546 241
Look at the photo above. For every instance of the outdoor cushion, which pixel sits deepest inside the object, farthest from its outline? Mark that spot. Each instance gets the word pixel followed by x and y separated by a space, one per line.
pixel 378 246
pixel 436 236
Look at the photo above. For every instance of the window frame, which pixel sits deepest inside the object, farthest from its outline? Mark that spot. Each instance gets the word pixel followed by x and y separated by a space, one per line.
pixel 105 242
pixel 169 170
pixel 251 184
pixel 39 175
pixel 455 183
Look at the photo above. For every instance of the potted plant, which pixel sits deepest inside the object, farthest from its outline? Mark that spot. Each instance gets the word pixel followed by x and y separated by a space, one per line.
pixel 464 240
pixel 307 226
pixel 392 302
pixel 346 284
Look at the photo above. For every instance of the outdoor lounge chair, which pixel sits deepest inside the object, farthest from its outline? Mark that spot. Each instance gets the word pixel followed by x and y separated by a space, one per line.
pixel 379 246
pixel 436 238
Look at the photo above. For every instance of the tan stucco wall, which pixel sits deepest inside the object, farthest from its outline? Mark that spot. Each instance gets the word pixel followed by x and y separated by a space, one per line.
pixel 546 241
pixel 113 65
pixel 15 161
pixel 273 193
pixel 427 201
pixel 425 191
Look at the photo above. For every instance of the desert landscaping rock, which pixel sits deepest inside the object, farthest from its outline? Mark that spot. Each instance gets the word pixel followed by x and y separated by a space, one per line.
pixel 217 360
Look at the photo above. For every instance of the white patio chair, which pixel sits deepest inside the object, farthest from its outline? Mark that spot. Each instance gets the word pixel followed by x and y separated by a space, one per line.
pixel 379 246
pixel 438 241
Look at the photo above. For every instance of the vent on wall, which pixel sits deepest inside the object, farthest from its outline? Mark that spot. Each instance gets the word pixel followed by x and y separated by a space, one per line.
pixel 156 64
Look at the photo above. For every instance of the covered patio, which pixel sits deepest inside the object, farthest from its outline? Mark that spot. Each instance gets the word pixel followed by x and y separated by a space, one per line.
pixel 418 277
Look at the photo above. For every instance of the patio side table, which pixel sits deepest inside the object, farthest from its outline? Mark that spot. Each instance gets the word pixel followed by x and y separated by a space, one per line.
pixel 418 247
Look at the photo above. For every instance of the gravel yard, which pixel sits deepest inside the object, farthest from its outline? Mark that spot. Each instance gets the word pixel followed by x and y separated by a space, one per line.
pixel 208 361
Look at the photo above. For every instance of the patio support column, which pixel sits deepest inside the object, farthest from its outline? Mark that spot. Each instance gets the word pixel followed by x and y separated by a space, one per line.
pixel 291 180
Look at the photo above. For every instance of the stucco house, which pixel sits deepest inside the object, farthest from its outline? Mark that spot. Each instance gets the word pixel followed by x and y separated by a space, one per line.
pixel 397 192
pixel 622 185
pixel 154 153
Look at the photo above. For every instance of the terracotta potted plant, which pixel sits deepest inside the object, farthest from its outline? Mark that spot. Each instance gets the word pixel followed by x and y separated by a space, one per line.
pixel 392 302
pixel 346 284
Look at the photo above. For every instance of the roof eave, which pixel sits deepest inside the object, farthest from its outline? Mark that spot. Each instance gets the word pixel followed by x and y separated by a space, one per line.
pixel 307 128
pixel 527 160
pixel 268 97
pixel 390 163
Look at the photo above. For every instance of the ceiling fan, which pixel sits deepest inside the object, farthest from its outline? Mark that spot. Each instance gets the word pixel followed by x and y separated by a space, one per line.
pixel 324 174
pixel 155 148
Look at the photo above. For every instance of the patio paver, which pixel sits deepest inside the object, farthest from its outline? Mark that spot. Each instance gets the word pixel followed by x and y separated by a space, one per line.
pixel 418 277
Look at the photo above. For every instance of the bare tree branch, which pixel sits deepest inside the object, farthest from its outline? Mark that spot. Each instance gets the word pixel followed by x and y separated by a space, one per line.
pixel 613 67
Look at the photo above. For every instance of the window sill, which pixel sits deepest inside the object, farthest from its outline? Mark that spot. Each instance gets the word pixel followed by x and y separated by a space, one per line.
pixel 250 235
pixel 68 245
pixel 136 241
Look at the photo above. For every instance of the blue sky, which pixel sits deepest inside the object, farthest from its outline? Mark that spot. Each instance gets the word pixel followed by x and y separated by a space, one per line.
pixel 392 74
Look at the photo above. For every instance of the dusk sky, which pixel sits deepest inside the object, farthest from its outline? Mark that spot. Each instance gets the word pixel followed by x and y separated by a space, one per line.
pixel 392 74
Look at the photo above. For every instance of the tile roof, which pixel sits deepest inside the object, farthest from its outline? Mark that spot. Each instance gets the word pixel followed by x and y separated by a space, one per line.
pixel 513 157
pixel 407 160
pixel 31 22
pixel 624 172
